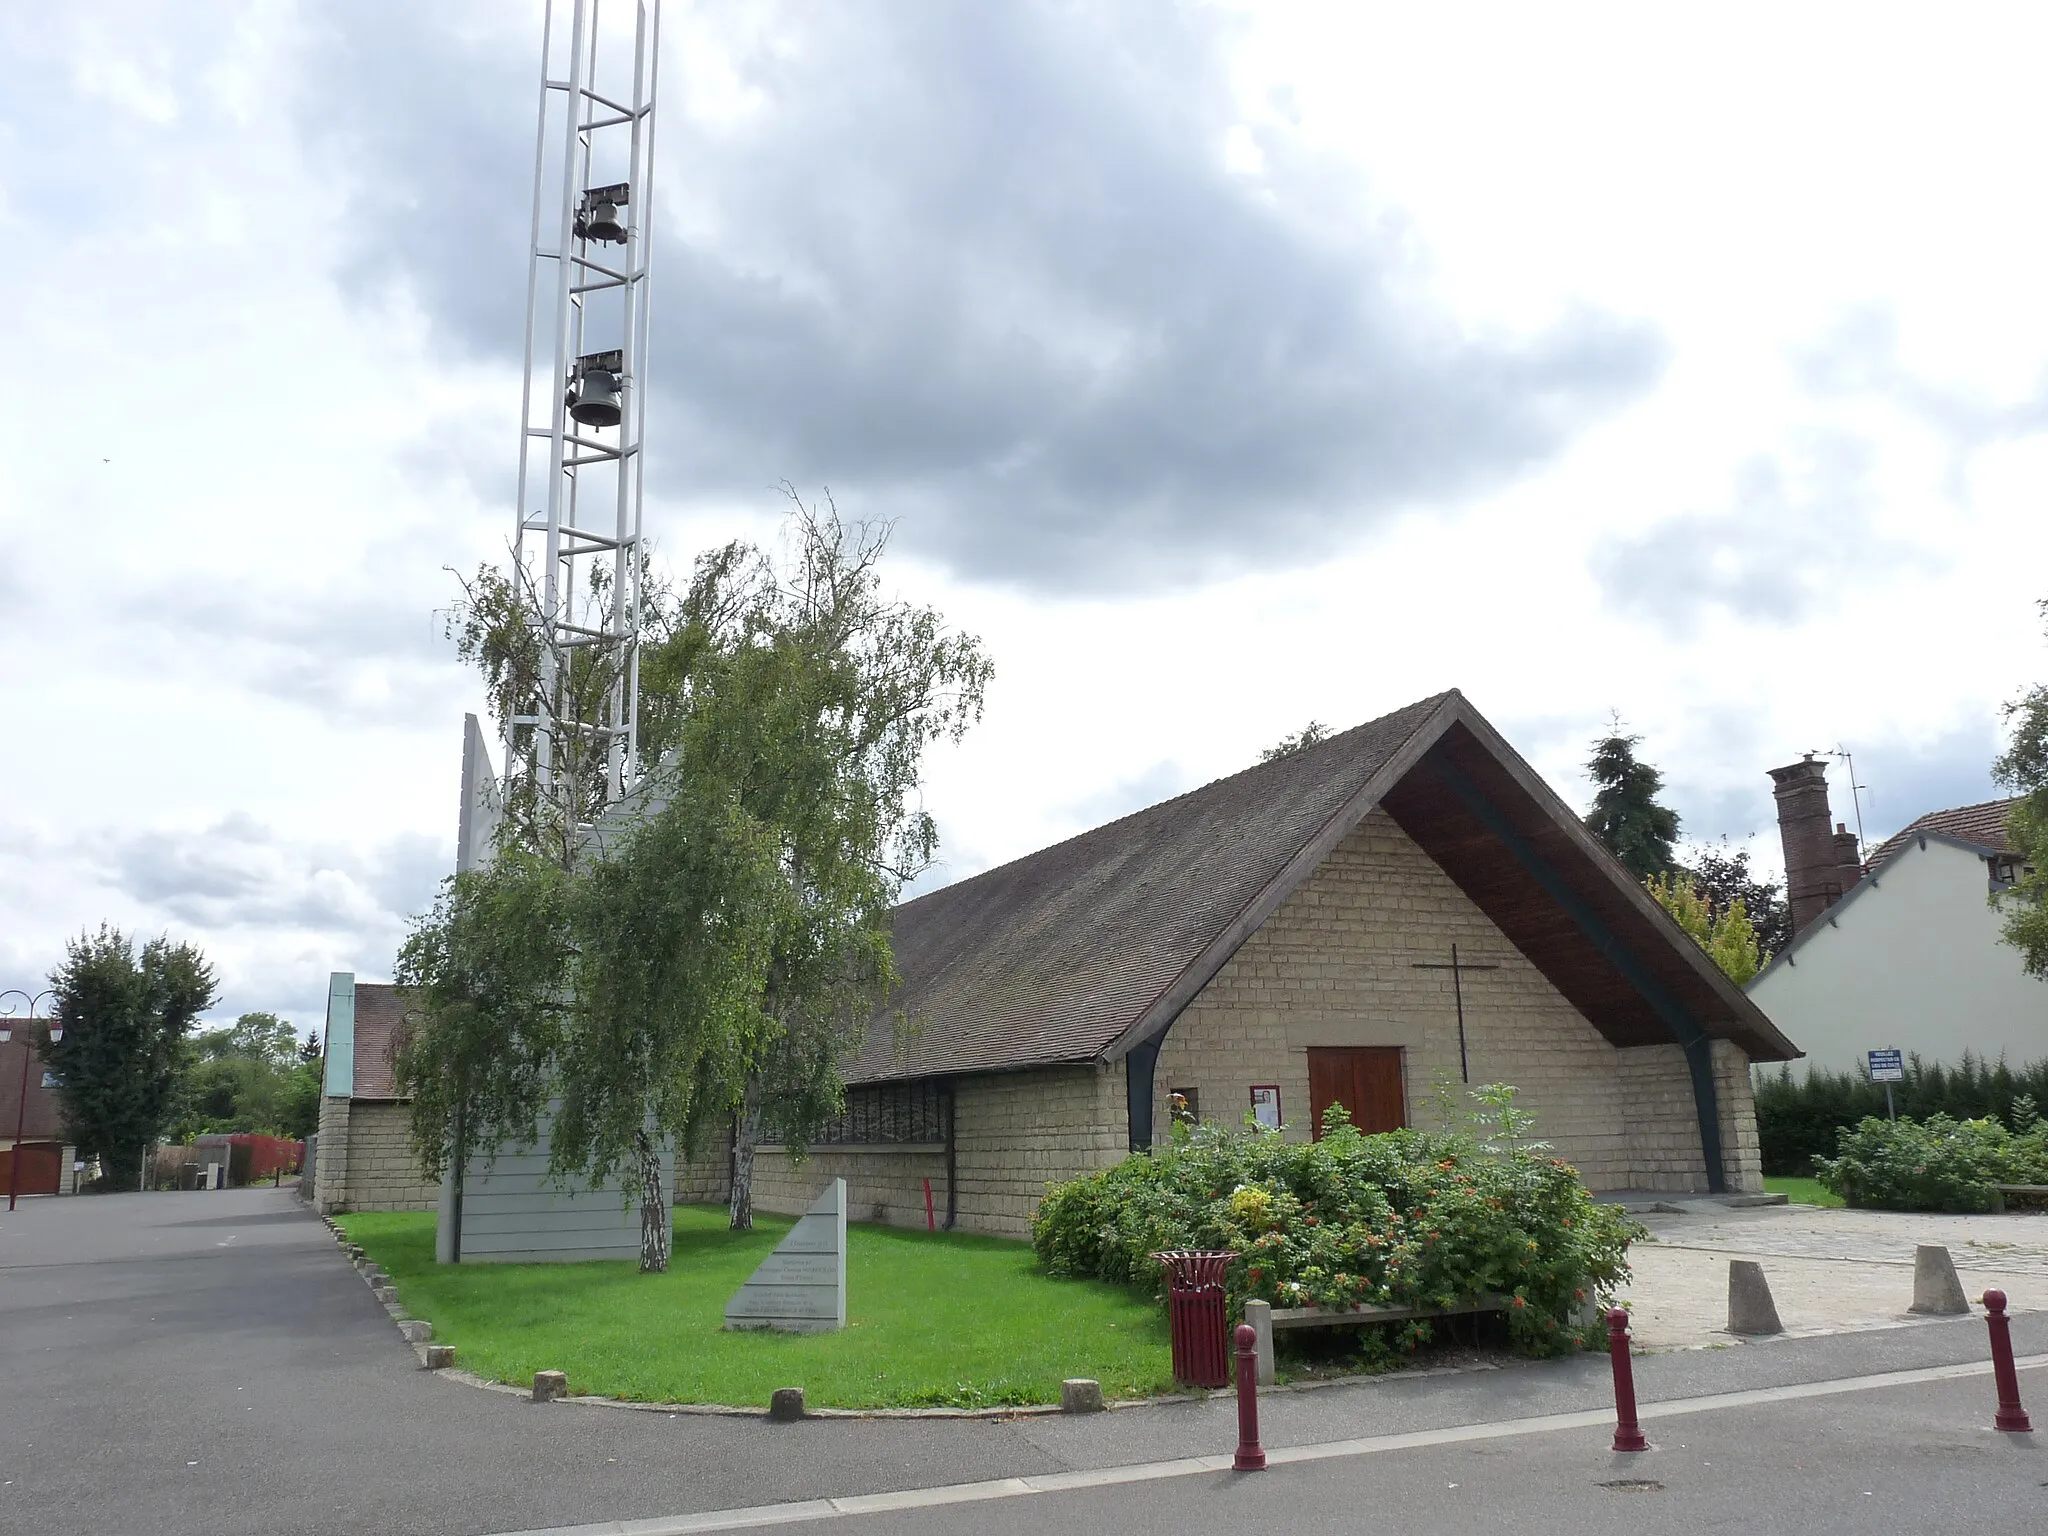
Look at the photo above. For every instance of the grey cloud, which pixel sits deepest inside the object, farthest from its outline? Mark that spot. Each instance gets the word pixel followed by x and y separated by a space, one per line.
pixel 982 269
pixel 1908 779
pixel 373 652
pixel 238 874
pixel 1858 357
pixel 1796 526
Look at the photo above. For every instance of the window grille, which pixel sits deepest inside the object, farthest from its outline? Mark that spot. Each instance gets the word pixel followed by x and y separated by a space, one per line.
pixel 884 1113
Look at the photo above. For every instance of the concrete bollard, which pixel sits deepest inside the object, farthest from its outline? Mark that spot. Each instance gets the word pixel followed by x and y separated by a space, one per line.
pixel 388 1294
pixel 415 1331
pixel 1251 1456
pixel 786 1405
pixel 1260 1315
pixel 1750 1308
pixel 2012 1416
pixel 1936 1290
pixel 1080 1394
pixel 1628 1433
pixel 549 1385
pixel 440 1356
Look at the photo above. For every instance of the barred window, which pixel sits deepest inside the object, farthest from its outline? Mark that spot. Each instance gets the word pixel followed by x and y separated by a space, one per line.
pixel 890 1112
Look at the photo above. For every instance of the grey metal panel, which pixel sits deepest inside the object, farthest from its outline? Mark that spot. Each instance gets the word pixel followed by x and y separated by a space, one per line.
pixel 513 1211
pixel 559 1245
pixel 613 1220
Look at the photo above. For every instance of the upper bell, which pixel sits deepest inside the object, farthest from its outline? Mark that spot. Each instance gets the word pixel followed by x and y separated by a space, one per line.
pixel 604 223
pixel 594 397
pixel 601 215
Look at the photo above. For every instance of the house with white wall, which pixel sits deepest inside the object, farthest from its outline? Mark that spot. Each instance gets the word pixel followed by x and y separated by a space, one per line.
pixel 1904 952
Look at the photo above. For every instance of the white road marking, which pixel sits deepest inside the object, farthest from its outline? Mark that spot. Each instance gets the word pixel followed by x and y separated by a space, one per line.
pixel 759 1516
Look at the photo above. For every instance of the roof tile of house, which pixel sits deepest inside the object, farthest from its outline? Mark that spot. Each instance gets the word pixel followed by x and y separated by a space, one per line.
pixel 378 1014
pixel 1983 824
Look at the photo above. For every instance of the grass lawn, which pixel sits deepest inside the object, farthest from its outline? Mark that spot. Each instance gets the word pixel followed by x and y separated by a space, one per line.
pixel 932 1320
pixel 1803 1191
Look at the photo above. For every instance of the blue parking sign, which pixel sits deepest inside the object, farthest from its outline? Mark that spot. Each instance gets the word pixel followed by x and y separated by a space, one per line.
pixel 1887 1066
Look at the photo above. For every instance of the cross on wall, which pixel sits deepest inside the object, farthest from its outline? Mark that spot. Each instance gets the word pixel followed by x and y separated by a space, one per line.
pixel 1457 968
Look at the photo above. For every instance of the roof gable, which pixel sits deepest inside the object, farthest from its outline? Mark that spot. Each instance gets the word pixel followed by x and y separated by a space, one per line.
pixel 1056 956
pixel 1082 950
pixel 1905 845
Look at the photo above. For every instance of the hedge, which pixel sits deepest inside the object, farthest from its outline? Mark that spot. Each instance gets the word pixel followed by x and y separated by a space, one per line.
pixel 1939 1164
pixel 1798 1121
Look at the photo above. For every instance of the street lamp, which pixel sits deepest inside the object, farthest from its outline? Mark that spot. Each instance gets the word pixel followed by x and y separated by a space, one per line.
pixel 28 1061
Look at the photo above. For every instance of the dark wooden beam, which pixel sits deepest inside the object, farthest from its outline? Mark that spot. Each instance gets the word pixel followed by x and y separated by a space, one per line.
pixel 1698 1047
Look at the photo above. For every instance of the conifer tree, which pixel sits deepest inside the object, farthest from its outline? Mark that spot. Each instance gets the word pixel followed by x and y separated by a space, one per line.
pixel 1625 814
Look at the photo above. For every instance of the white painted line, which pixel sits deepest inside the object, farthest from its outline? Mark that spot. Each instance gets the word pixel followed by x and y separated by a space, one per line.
pixel 762 1515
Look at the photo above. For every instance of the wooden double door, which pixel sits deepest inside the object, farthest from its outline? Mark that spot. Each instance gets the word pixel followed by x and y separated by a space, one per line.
pixel 1365 1079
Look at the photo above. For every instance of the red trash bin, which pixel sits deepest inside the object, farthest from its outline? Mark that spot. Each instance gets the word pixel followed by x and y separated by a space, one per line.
pixel 1195 1307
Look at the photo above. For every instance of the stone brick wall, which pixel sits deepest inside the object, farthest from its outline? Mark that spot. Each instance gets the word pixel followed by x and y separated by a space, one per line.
pixel 1742 1153
pixel 1014 1133
pixel 330 1157
pixel 365 1159
pixel 1334 966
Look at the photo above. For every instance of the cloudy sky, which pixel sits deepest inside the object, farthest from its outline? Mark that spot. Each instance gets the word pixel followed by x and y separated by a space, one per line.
pixel 1221 366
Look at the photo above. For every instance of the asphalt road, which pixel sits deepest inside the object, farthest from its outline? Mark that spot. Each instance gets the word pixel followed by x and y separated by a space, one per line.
pixel 209 1363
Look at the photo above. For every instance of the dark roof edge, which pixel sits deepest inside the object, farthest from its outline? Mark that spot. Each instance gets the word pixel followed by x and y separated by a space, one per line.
pixel 1918 841
pixel 1212 957
pixel 1617 875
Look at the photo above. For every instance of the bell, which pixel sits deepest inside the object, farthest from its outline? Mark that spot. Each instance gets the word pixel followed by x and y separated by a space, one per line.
pixel 594 398
pixel 604 223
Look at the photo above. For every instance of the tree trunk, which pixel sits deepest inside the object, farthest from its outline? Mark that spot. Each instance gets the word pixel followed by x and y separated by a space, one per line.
pixel 654 1218
pixel 746 1132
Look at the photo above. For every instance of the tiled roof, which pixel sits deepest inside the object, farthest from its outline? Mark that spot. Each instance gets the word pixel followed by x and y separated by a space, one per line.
pixel 1981 824
pixel 378 1012
pixel 1051 958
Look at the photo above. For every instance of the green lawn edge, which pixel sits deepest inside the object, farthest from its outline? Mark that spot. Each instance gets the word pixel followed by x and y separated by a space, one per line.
pixel 933 1320
pixel 1804 1192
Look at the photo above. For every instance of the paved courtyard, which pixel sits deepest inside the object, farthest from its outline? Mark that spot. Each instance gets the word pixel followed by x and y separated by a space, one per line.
pixel 1830 1271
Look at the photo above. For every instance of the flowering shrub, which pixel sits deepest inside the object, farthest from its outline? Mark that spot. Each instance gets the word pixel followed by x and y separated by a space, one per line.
pixel 1408 1218
pixel 1936 1164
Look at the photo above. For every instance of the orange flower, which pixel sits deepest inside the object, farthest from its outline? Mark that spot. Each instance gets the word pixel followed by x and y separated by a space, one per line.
pixel 1520 1303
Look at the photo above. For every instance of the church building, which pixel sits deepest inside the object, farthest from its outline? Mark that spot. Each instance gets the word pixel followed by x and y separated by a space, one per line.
pixel 1401 905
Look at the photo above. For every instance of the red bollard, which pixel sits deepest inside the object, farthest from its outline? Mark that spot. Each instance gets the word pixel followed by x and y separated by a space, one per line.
pixel 1251 1456
pixel 930 1221
pixel 1628 1434
pixel 2010 1414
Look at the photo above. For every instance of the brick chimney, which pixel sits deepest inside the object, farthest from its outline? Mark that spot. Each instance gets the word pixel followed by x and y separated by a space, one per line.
pixel 1821 859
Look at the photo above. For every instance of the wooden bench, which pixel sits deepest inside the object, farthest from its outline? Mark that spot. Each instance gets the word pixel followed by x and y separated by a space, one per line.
pixel 1267 1319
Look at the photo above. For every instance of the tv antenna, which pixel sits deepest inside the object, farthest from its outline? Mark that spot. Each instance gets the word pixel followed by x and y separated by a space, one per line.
pixel 577 551
pixel 1855 796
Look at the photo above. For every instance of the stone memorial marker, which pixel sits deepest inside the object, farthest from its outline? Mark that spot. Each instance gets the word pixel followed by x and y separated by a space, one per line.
pixel 801 1286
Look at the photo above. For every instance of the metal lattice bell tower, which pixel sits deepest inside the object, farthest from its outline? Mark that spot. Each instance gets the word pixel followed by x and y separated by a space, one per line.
pixel 577 552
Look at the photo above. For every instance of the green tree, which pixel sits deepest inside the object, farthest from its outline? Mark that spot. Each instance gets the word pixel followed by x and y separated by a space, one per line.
pixel 1727 936
pixel 2023 768
pixel 125 1018
pixel 248 1076
pixel 1722 877
pixel 702 956
pixel 1287 746
pixel 1625 814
